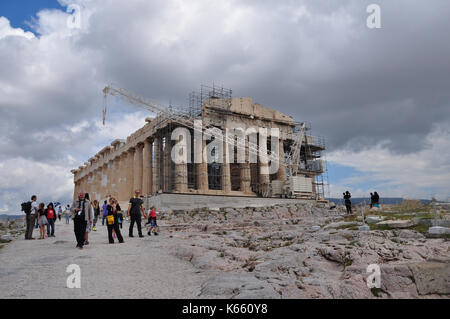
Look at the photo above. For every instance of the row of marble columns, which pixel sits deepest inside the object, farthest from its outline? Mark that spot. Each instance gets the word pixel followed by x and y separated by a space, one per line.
pixel 148 167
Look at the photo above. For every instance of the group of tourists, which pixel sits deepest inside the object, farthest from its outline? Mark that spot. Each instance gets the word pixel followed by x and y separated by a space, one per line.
pixel 85 216
pixel 374 201
pixel 42 217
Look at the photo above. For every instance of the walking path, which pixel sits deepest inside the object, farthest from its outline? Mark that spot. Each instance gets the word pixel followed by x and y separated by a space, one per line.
pixel 139 268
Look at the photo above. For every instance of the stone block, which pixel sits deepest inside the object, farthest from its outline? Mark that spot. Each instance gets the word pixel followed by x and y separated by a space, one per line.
pixel 398 223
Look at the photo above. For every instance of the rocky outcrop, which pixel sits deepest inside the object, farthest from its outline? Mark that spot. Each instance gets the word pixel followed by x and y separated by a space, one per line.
pixel 239 285
pixel 274 252
pixel 11 229
pixel 432 277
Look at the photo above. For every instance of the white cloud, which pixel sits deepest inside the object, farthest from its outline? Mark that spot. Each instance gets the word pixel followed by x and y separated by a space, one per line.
pixel 20 178
pixel 420 174
pixel 6 30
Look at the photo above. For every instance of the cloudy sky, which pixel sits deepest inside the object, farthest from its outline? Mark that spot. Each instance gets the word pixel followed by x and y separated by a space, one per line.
pixel 381 97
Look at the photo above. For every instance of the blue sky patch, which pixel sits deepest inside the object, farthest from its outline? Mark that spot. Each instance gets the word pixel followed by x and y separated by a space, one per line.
pixel 19 12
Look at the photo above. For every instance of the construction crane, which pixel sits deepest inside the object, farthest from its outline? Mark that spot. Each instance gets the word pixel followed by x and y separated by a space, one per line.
pixel 183 118
pixel 293 158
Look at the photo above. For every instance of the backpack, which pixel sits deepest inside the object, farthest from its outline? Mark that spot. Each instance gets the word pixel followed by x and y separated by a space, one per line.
pixel 26 208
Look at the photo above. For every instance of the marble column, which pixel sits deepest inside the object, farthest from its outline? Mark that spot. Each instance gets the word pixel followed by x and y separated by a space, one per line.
pixel 263 160
pixel 123 194
pixel 167 161
pixel 138 167
pixel 245 174
pixel 130 173
pixel 181 165
pixel 98 182
pixel 202 172
pixel 147 168
pixel 157 145
pixel 116 177
pixel 104 186
pixel 226 173
pixel 281 174
pixel 90 186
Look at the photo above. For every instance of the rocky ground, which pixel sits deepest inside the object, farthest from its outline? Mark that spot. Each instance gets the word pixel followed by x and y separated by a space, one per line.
pixel 271 252
pixel 11 229
pixel 279 253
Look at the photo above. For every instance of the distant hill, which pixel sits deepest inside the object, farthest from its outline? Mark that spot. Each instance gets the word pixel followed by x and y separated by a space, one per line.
pixel 4 216
pixel 387 201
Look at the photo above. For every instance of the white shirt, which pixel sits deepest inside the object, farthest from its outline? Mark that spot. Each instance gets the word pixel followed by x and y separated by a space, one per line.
pixel 34 207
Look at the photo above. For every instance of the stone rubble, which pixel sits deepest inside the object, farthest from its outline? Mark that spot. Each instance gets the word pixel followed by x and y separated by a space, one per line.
pixel 273 252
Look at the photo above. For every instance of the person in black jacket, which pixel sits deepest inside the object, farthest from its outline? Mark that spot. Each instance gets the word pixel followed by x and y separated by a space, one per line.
pixel 112 221
pixel 136 211
pixel 376 198
pixel 348 203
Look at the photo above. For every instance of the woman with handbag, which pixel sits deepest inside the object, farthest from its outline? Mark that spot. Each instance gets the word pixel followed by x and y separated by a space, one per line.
pixel 112 221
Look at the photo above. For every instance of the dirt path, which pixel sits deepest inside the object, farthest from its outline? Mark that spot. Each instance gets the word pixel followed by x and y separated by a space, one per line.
pixel 139 268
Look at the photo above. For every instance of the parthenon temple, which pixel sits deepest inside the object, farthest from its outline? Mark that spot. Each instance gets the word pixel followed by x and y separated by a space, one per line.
pixel 143 161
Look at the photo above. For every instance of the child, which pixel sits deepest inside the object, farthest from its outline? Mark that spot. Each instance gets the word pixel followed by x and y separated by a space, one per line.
pixel 120 218
pixel 152 221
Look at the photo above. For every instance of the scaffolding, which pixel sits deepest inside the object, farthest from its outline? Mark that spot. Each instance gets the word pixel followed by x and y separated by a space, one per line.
pixel 216 102
pixel 213 97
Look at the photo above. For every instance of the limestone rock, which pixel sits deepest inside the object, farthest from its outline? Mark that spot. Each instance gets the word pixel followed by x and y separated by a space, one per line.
pixel 374 219
pixel 439 230
pixel 397 223
pixel 238 286
pixel 406 233
pixel 432 277
pixel 6 238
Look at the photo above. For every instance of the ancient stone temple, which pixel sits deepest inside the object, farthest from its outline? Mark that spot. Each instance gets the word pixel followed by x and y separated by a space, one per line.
pixel 144 160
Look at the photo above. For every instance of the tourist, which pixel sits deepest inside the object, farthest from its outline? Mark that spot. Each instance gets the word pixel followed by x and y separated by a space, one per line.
pixel 135 211
pixel 105 212
pixel 376 200
pixel 371 200
pixel 152 221
pixel 51 218
pixel 88 225
pixel 66 212
pixel 82 215
pixel 348 203
pixel 113 221
pixel 42 220
pixel 59 212
pixel 31 218
pixel 96 207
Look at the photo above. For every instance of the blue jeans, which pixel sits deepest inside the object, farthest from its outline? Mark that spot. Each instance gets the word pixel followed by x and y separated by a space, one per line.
pixel 51 223
pixel 67 218
pixel 103 220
